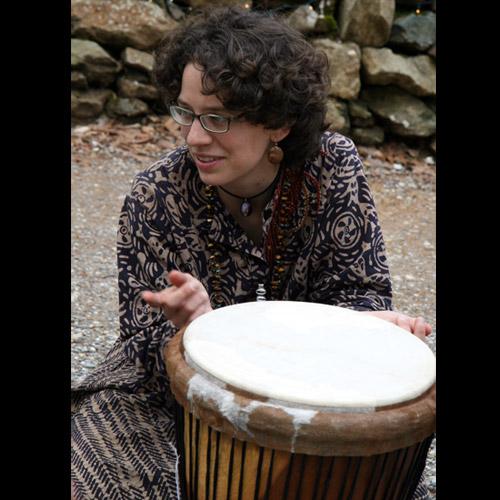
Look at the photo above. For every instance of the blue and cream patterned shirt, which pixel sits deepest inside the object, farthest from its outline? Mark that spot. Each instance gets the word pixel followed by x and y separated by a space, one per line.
pixel 338 255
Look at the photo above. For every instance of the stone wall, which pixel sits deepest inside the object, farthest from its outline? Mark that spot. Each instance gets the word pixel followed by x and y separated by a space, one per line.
pixel 382 64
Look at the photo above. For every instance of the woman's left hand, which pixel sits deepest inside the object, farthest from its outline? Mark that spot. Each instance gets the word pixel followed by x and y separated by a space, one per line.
pixel 417 326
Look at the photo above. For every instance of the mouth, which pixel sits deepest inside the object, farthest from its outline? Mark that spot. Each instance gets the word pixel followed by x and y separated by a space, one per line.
pixel 207 162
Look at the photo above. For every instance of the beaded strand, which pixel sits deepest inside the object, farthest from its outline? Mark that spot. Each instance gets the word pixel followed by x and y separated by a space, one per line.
pixel 213 259
pixel 287 198
pixel 281 229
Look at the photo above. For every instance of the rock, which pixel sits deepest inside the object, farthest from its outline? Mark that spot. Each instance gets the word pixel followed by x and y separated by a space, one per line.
pixel 94 62
pixel 414 33
pixel 76 337
pixel 415 74
pixel 126 107
pixel 404 114
pixel 202 3
pixel 366 22
pixel 78 81
pixel 372 136
pixel 360 115
pixel 370 152
pixel 344 66
pixel 175 11
pixel 132 88
pixel 326 26
pixel 337 116
pixel 359 109
pixel 89 103
pixel 138 59
pixel 432 52
pixel 430 102
pixel 432 145
pixel 268 4
pixel 303 19
pixel 138 76
pixel 362 122
pixel 120 23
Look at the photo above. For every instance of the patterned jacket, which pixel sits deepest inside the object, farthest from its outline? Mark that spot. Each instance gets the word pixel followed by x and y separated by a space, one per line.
pixel 336 257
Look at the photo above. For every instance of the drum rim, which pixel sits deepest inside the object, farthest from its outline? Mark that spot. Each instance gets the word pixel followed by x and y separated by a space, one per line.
pixel 333 433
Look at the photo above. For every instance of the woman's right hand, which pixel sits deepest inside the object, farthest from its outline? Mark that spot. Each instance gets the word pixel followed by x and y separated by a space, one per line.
pixel 182 302
pixel 418 326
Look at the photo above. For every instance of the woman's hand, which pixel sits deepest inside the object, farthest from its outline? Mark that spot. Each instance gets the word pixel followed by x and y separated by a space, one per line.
pixel 417 326
pixel 182 302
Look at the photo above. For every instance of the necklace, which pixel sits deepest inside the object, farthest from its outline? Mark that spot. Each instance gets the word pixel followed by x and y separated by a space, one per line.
pixel 291 193
pixel 246 206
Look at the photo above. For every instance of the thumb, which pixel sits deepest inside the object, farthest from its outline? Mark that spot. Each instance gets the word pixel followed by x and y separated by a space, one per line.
pixel 177 278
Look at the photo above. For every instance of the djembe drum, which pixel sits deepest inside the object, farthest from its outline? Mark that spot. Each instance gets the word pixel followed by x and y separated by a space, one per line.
pixel 294 400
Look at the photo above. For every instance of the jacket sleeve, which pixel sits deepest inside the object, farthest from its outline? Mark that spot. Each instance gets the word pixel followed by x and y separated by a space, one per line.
pixel 348 265
pixel 145 253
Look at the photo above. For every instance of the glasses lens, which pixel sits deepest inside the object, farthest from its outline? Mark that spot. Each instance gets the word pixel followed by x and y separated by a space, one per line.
pixel 215 123
pixel 181 116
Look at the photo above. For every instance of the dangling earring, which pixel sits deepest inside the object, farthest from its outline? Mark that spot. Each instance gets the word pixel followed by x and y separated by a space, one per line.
pixel 275 154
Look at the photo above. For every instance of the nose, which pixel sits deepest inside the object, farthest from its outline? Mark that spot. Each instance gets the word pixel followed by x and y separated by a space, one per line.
pixel 196 135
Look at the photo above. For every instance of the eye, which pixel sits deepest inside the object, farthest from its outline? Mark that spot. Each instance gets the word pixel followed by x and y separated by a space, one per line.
pixel 215 123
pixel 217 118
pixel 184 112
pixel 181 115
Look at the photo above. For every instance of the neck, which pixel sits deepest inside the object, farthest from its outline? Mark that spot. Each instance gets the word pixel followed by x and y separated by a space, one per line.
pixel 253 188
pixel 258 195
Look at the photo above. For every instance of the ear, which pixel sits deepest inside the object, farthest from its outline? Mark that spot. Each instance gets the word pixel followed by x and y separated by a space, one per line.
pixel 279 134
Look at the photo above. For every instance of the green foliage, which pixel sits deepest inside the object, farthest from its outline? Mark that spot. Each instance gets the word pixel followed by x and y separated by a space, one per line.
pixel 332 24
pixel 326 26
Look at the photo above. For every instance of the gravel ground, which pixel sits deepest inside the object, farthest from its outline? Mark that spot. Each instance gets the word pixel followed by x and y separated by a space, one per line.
pixel 101 176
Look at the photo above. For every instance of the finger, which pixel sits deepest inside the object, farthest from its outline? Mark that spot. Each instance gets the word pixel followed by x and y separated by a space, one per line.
pixel 195 305
pixel 385 315
pixel 177 278
pixel 179 296
pixel 154 299
pixel 171 297
pixel 428 329
pixel 160 300
pixel 419 328
pixel 404 322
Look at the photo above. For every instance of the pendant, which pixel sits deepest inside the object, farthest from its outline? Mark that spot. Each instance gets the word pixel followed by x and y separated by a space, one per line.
pixel 245 208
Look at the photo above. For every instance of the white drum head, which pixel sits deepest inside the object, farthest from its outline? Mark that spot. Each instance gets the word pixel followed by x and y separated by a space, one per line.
pixel 310 354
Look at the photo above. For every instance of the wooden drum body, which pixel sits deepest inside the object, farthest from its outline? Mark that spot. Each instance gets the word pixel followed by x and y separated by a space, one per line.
pixel 240 444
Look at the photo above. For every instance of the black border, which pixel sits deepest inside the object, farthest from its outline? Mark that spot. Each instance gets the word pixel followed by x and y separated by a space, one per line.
pixel 36 222
pixel 467 273
pixel 40 237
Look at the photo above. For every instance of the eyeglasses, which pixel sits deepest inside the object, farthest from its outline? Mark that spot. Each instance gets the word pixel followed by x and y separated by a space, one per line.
pixel 209 121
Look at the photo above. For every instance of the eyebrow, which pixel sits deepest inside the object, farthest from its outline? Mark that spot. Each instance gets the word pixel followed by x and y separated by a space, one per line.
pixel 207 110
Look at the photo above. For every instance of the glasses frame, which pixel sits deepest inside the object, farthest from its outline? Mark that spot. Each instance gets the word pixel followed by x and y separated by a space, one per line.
pixel 201 118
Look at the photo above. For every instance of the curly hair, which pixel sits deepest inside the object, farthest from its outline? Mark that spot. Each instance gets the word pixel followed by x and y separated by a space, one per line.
pixel 257 66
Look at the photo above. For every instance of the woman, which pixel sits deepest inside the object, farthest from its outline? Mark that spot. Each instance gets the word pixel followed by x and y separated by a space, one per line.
pixel 260 193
